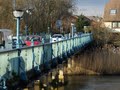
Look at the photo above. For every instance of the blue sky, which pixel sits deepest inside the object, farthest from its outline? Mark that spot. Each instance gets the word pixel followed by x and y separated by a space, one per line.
pixel 90 7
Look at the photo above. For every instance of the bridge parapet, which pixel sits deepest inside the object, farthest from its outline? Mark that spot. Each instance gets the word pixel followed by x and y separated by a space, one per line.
pixel 19 61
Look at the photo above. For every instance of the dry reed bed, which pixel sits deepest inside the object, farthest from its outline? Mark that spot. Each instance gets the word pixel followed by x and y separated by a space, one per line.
pixel 97 61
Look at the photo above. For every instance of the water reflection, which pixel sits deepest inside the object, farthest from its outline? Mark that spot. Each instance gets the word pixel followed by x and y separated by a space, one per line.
pixel 92 83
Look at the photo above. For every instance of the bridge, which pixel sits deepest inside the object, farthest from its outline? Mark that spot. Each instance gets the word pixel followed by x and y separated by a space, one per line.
pixel 19 62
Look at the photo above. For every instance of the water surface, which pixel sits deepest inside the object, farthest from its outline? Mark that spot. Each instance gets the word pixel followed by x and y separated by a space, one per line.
pixel 92 83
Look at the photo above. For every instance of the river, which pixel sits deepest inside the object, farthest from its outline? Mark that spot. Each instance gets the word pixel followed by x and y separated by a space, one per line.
pixel 92 83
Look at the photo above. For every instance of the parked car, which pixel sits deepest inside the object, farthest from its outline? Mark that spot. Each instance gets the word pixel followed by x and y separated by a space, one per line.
pixel 35 38
pixel 75 35
pixel 14 40
pixel 57 37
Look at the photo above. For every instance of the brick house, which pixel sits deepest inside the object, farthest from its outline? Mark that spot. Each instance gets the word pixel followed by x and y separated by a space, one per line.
pixel 112 15
pixel 65 24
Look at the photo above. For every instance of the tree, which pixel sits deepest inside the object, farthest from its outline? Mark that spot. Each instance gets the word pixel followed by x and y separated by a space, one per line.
pixel 81 22
pixel 101 34
pixel 6 17
pixel 44 14
pixel 47 12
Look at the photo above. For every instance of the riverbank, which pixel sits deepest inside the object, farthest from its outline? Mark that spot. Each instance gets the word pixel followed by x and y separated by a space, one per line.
pixel 96 61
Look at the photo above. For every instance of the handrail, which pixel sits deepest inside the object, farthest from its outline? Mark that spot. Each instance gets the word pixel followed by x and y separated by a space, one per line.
pixel 28 58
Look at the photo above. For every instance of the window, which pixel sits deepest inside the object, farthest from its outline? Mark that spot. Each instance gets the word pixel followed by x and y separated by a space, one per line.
pixel 115 24
pixel 118 24
pixel 113 12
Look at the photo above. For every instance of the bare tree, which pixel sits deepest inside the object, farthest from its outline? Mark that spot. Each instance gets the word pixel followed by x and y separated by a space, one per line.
pixel 6 19
pixel 101 34
pixel 45 13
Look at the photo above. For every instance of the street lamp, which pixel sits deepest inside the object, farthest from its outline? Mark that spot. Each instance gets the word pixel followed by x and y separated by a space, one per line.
pixel 18 14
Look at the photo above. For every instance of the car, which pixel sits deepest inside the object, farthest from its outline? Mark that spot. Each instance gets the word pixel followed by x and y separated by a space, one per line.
pixel 14 40
pixel 75 35
pixel 35 38
pixel 14 43
pixel 57 37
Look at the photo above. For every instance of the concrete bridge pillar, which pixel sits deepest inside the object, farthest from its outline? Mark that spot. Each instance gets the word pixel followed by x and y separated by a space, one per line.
pixel 42 83
pixel 51 80
pixel 57 77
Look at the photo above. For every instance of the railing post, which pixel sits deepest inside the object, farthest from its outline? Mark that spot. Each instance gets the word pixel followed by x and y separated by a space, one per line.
pixel 72 25
pixel 50 39
pixel 32 42
pixel 33 58
pixel 43 41
pixel 69 35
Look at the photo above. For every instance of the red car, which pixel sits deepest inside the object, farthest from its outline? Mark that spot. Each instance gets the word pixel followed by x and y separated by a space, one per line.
pixel 36 40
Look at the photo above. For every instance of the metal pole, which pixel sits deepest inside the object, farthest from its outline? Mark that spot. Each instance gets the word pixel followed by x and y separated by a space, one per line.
pixel 48 29
pixel 26 29
pixel 18 30
pixel 26 26
pixel 14 4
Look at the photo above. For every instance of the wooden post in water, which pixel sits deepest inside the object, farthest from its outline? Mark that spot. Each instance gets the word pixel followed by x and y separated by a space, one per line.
pixel 61 76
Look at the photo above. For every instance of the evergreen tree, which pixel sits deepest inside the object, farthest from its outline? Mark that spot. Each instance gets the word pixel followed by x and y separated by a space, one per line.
pixel 81 22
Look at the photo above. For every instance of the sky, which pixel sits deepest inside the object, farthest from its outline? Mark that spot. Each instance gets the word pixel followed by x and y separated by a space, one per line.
pixel 90 7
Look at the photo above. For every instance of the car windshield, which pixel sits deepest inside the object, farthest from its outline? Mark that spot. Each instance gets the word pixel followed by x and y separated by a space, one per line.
pixel 57 36
pixel 34 38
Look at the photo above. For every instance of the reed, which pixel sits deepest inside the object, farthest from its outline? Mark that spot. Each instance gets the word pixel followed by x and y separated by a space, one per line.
pixel 103 61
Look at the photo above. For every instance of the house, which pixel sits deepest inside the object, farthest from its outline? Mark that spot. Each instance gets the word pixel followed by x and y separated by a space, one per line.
pixel 94 18
pixel 66 21
pixel 112 15
pixel 64 24
pixel 96 21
